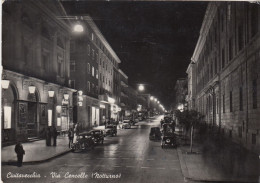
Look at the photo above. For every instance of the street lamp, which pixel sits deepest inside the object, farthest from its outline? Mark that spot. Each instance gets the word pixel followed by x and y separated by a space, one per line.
pixel 51 93
pixel 155 99
pixel 78 28
pixel 151 98
pixel 31 89
pixel 141 87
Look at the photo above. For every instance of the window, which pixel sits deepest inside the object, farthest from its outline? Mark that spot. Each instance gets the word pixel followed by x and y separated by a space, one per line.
pixel 230 101
pixel 241 98
pixel 106 66
pixel 93 71
pixel 217 105
pixel 88 86
pixel 93 88
pixel 88 49
pixel 240 131
pixel 96 73
pixel 96 89
pixel 97 57
pixel 93 54
pixel 223 58
pixel 103 79
pixel 100 76
pixel 253 138
pixel 103 64
pixel 223 101
pixel 240 37
pixel 72 84
pixel 109 82
pixel 254 94
pixel 106 80
pixel 254 20
pixel 222 22
pixel 229 11
pixel 72 65
pixel 44 61
pixel 216 65
pixel 72 46
pixel 92 36
pixel 60 66
pixel 230 49
pixel 88 68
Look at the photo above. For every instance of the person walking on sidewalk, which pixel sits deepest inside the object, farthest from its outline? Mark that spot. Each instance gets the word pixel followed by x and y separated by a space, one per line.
pixel 54 135
pixel 71 136
pixel 76 133
pixel 20 152
pixel 48 137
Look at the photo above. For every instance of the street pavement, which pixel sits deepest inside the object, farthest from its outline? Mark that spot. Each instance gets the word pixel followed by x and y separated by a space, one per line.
pixel 132 157
pixel 129 157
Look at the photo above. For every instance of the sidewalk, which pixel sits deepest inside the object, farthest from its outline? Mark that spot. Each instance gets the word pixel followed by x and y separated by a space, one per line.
pixel 36 152
pixel 218 160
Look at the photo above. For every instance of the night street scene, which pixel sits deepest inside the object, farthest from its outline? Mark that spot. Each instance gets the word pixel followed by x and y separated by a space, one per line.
pixel 130 91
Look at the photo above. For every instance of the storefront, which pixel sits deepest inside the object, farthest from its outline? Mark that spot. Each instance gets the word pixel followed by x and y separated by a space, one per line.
pixel 30 106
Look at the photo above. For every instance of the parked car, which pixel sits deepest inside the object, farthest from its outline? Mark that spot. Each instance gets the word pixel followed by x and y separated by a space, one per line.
pixel 126 124
pixel 97 136
pixel 169 139
pixel 83 142
pixel 155 133
pixel 111 130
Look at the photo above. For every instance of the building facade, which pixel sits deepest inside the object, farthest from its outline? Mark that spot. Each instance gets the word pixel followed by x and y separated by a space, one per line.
pixel 226 64
pixel 35 58
pixel 181 93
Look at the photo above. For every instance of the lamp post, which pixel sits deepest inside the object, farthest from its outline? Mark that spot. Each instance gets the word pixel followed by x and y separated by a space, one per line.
pixel 141 87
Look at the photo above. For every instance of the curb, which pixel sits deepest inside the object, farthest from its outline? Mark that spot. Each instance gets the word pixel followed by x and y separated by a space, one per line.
pixel 37 161
pixel 186 175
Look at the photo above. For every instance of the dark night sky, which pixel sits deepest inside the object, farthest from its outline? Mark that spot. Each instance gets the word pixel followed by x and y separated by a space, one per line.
pixel 154 40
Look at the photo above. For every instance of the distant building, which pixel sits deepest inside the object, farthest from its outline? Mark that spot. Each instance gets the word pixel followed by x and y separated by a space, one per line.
pixel 181 93
pixel 225 64
pixel 36 61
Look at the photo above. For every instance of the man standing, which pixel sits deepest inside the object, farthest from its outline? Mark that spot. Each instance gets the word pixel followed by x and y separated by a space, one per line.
pixel 55 134
pixel 20 152
pixel 71 136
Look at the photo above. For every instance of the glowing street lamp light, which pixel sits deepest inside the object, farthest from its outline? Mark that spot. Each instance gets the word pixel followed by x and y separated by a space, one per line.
pixel 141 87
pixel 78 28
pixel 151 98
pixel 155 99
pixel 31 89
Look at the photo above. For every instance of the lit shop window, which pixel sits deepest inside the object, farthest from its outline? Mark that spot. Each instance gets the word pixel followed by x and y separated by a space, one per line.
pixel 7 117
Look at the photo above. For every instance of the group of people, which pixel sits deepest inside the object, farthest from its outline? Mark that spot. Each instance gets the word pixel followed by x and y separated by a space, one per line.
pixel 73 134
pixel 51 136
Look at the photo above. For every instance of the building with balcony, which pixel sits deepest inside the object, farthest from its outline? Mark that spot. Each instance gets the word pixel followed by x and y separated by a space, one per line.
pixel 35 59
pixel 226 65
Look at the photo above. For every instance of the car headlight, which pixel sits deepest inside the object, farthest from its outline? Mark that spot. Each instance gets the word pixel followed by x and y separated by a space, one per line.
pixel 168 140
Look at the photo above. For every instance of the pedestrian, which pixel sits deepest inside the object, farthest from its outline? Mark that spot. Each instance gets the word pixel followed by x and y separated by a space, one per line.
pixel 20 152
pixel 48 137
pixel 71 136
pixel 54 135
pixel 76 133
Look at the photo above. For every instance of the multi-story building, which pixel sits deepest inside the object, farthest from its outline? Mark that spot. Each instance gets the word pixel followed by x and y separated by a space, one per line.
pixel 226 64
pixel 123 93
pixel 35 50
pixel 181 93
pixel 93 73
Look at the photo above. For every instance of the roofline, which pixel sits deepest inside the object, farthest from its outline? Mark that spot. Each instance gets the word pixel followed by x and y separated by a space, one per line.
pixel 102 38
pixel 121 72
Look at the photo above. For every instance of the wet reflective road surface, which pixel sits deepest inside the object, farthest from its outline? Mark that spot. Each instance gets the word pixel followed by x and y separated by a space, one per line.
pixel 128 157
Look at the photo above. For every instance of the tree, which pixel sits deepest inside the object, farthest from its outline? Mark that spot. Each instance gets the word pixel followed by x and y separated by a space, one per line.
pixel 189 119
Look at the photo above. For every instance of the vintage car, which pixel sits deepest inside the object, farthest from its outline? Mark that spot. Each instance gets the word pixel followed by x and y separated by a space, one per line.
pixel 111 130
pixel 97 136
pixel 169 139
pixel 126 124
pixel 166 119
pixel 84 142
pixel 155 133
